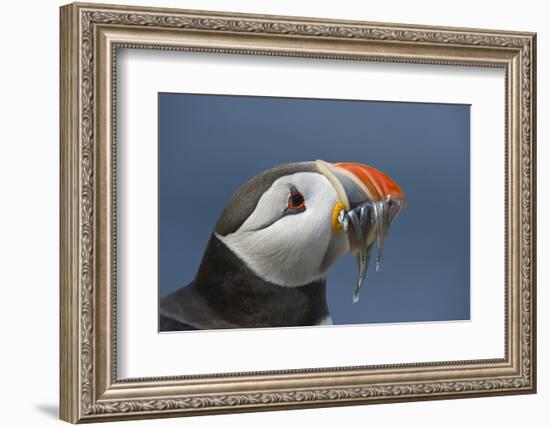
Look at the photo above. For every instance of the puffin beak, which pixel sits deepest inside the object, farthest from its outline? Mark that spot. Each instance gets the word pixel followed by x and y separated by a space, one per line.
pixel 369 203
pixel 363 189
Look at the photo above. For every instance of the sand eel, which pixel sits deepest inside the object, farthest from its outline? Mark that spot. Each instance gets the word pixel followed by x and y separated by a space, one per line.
pixel 266 262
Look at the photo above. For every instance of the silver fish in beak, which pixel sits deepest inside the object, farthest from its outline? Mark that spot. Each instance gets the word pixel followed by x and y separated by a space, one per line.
pixel 369 203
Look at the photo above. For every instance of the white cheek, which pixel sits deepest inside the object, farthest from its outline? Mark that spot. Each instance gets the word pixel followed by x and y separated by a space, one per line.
pixel 270 207
pixel 291 251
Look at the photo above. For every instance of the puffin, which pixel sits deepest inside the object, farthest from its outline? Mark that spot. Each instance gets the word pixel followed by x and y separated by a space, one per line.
pixel 267 259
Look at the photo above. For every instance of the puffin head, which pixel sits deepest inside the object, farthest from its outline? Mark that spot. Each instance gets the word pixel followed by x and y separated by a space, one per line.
pixel 291 223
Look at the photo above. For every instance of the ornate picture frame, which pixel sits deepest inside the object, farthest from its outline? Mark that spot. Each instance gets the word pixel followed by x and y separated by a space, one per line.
pixel 90 37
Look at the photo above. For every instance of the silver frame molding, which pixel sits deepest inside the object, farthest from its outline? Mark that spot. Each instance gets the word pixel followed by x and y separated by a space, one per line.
pixel 90 37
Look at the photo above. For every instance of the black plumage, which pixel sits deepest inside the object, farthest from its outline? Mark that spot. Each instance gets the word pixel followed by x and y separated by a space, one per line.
pixel 227 294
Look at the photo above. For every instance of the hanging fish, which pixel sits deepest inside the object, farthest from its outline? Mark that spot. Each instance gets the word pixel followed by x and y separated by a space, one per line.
pixel 369 203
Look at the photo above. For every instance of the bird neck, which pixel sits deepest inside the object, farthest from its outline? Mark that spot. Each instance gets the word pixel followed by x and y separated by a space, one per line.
pixel 237 295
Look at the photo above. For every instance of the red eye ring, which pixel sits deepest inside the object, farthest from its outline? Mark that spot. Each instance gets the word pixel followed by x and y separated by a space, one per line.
pixel 296 200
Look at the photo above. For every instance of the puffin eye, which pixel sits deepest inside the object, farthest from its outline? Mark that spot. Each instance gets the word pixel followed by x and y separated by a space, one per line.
pixel 296 200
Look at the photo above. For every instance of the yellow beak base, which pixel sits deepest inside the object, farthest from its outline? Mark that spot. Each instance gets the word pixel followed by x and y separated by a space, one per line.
pixel 336 226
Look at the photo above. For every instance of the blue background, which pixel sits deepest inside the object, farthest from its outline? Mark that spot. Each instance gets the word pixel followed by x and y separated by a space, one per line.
pixel 209 145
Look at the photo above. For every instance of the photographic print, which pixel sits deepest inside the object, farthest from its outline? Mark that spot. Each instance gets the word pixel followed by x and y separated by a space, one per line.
pixel 285 212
